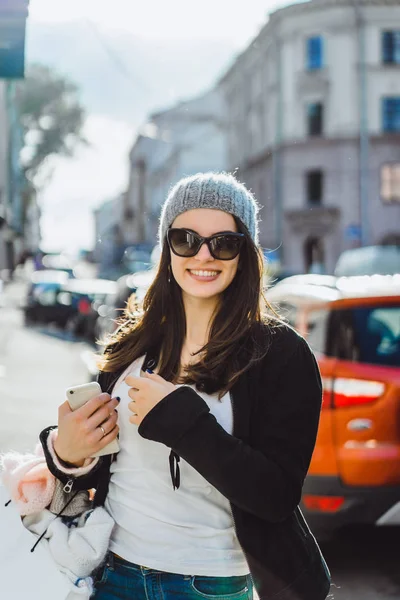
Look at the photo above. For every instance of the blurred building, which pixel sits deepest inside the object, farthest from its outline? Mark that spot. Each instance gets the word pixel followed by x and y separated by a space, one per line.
pixel 13 15
pixel 31 218
pixel 4 183
pixel 180 141
pixel 108 249
pixel 149 149
pixel 313 111
pixel 16 179
pixel 19 211
pixel 11 223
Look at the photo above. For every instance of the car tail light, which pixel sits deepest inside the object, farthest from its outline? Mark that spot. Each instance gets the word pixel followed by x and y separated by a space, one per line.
pixel 323 503
pixel 351 392
pixel 343 391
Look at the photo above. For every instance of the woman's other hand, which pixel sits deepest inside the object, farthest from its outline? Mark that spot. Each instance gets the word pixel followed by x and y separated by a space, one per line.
pixel 145 393
pixel 86 430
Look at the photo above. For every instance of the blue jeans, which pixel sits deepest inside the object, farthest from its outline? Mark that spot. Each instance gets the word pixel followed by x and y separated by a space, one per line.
pixel 122 580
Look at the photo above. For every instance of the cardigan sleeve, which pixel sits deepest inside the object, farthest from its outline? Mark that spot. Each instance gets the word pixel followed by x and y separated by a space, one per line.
pixel 266 477
pixel 61 465
pixel 84 478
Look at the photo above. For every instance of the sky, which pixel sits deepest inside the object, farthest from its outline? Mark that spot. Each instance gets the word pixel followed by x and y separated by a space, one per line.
pixel 98 173
pixel 158 19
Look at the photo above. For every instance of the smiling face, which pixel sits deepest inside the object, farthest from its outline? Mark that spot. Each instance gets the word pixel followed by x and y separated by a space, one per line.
pixel 203 276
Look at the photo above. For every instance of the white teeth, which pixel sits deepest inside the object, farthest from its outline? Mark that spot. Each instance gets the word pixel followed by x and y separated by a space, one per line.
pixel 204 273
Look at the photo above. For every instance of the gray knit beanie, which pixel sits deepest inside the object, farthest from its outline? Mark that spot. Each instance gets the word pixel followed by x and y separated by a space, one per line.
pixel 221 191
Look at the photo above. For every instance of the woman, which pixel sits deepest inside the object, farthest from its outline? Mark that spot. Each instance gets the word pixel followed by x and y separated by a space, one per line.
pixel 218 415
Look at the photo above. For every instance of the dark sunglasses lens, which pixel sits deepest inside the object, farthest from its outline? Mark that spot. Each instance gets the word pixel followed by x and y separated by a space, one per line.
pixel 183 243
pixel 226 247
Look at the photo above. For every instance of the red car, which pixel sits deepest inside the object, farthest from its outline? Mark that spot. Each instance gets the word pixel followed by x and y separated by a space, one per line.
pixel 353 326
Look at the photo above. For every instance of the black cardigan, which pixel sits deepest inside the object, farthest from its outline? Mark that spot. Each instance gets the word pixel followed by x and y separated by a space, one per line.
pixel 260 468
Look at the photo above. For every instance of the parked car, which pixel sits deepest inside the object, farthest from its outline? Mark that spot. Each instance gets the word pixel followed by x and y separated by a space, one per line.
pixel 353 325
pixel 142 281
pixel 369 260
pixel 109 314
pixel 113 307
pixel 87 296
pixel 274 276
pixel 137 257
pixel 46 301
pixel 58 262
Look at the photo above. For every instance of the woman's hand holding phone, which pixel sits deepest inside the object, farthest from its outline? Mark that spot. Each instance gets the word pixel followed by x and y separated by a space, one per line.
pixel 87 430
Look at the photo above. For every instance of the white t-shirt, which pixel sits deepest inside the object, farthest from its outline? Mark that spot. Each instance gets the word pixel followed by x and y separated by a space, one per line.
pixel 188 530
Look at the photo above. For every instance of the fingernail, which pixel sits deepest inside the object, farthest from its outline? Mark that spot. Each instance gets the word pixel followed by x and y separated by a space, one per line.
pixel 116 410
pixel 149 371
pixel 118 398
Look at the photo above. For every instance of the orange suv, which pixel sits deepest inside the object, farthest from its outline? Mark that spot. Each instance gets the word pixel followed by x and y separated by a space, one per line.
pixel 353 326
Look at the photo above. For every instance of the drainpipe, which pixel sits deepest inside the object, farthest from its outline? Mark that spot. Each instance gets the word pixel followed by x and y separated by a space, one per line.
pixel 363 123
pixel 276 154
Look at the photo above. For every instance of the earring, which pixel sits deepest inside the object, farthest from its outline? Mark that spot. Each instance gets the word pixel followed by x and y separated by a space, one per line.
pixel 169 273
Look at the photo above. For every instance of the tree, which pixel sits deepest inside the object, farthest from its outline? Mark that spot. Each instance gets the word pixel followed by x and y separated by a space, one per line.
pixel 51 118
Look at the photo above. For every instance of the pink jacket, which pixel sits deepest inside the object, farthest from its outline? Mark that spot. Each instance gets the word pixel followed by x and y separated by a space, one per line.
pixel 28 480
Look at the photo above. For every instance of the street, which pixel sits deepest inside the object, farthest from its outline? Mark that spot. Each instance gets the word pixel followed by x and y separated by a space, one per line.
pixel 36 368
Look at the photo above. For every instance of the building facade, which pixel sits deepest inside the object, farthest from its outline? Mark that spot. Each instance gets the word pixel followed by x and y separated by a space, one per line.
pixel 13 16
pixel 181 141
pixel 19 210
pixel 31 218
pixel 313 127
pixel 108 249
pixel 13 186
pixel 8 235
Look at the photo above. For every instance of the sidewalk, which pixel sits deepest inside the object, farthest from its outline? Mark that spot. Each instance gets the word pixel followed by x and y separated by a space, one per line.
pixel 12 293
pixel 36 368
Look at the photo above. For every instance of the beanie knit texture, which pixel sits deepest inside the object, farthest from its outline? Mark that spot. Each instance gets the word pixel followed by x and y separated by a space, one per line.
pixel 219 191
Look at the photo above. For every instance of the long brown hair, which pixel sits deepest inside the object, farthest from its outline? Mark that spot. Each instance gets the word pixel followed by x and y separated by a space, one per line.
pixel 160 326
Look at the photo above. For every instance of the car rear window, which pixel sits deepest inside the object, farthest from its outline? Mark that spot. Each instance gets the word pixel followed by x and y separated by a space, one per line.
pixel 366 334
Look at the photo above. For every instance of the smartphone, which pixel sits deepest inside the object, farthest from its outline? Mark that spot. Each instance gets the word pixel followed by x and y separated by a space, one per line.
pixel 77 396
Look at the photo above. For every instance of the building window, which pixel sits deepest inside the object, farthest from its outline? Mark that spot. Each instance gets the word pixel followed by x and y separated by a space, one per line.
pixel 391 47
pixel 315 114
pixel 314 53
pixel 390 183
pixel 391 114
pixel 314 187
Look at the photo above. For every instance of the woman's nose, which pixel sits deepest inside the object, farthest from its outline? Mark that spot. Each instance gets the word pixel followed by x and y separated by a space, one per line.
pixel 204 253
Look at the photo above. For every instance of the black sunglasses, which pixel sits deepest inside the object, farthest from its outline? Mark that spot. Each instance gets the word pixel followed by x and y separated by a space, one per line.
pixel 222 246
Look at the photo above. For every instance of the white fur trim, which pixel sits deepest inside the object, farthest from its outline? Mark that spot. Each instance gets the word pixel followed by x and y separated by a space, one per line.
pixel 28 480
